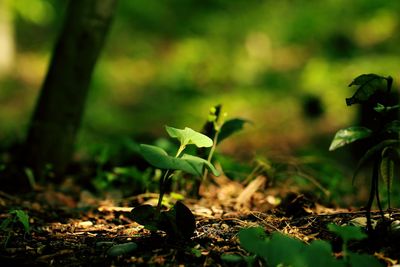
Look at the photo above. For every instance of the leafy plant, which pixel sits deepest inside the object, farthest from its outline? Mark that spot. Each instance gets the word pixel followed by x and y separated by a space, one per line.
pixel 281 250
pixel 373 92
pixel 218 129
pixel 17 217
pixel 179 221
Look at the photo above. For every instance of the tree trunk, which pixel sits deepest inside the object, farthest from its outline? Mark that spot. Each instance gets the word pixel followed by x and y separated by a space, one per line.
pixel 56 119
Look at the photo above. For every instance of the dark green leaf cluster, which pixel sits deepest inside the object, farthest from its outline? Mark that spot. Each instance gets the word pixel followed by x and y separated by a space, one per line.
pixel 179 221
pixel 369 86
pixel 159 158
pixel 384 150
pixel 282 250
pixel 230 127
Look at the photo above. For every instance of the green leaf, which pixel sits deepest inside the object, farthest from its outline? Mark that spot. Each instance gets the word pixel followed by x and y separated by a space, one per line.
pixel 390 156
pixel 319 253
pixel 392 127
pixel 348 232
pixel 232 258
pixel 196 252
pixel 230 127
pixel 395 228
pixel 156 156
pixel 349 135
pixel 368 86
pixel 386 169
pixel 199 163
pixel 254 240
pixel 383 109
pixel 279 249
pixel 5 224
pixel 284 250
pixel 23 218
pixel 372 152
pixel 388 159
pixel 362 260
pixel 188 136
pixel 160 159
pixel 121 249
pixel 364 79
pixel 380 108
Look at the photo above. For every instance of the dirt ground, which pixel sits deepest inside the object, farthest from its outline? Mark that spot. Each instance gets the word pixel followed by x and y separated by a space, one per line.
pixel 78 229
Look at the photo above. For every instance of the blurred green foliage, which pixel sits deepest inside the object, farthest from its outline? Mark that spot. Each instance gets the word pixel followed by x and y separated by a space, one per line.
pixel 282 250
pixel 169 61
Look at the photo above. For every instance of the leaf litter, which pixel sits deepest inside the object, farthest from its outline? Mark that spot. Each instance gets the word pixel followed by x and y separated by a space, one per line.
pixel 80 229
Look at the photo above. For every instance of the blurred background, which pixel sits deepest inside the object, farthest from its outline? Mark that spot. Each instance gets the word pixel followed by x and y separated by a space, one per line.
pixel 284 65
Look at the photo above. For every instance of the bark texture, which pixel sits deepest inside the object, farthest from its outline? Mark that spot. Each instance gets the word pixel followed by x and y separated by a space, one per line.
pixel 59 111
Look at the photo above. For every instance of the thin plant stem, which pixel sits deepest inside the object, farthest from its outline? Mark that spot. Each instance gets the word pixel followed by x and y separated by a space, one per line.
pixel 162 191
pixel 180 150
pixel 165 178
pixel 374 180
pixel 210 155
pixel 389 194
pixel 378 201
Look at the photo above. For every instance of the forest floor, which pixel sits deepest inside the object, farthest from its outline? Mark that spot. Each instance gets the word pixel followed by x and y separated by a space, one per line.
pixel 78 229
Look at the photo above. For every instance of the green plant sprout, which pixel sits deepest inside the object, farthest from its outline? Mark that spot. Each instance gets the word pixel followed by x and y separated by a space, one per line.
pixel 16 217
pixel 214 123
pixel 178 221
pixel 218 129
pixel 187 163
pixel 374 93
pixel 281 250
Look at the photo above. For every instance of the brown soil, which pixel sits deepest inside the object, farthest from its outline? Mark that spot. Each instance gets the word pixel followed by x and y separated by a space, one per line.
pixel 77 229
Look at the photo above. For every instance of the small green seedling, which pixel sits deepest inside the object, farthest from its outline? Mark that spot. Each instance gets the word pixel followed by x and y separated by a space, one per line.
pixel 281 250
pixel 374 93
pixel 179 221
pixel 214 131
pixel 17 217
pixel 218 129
